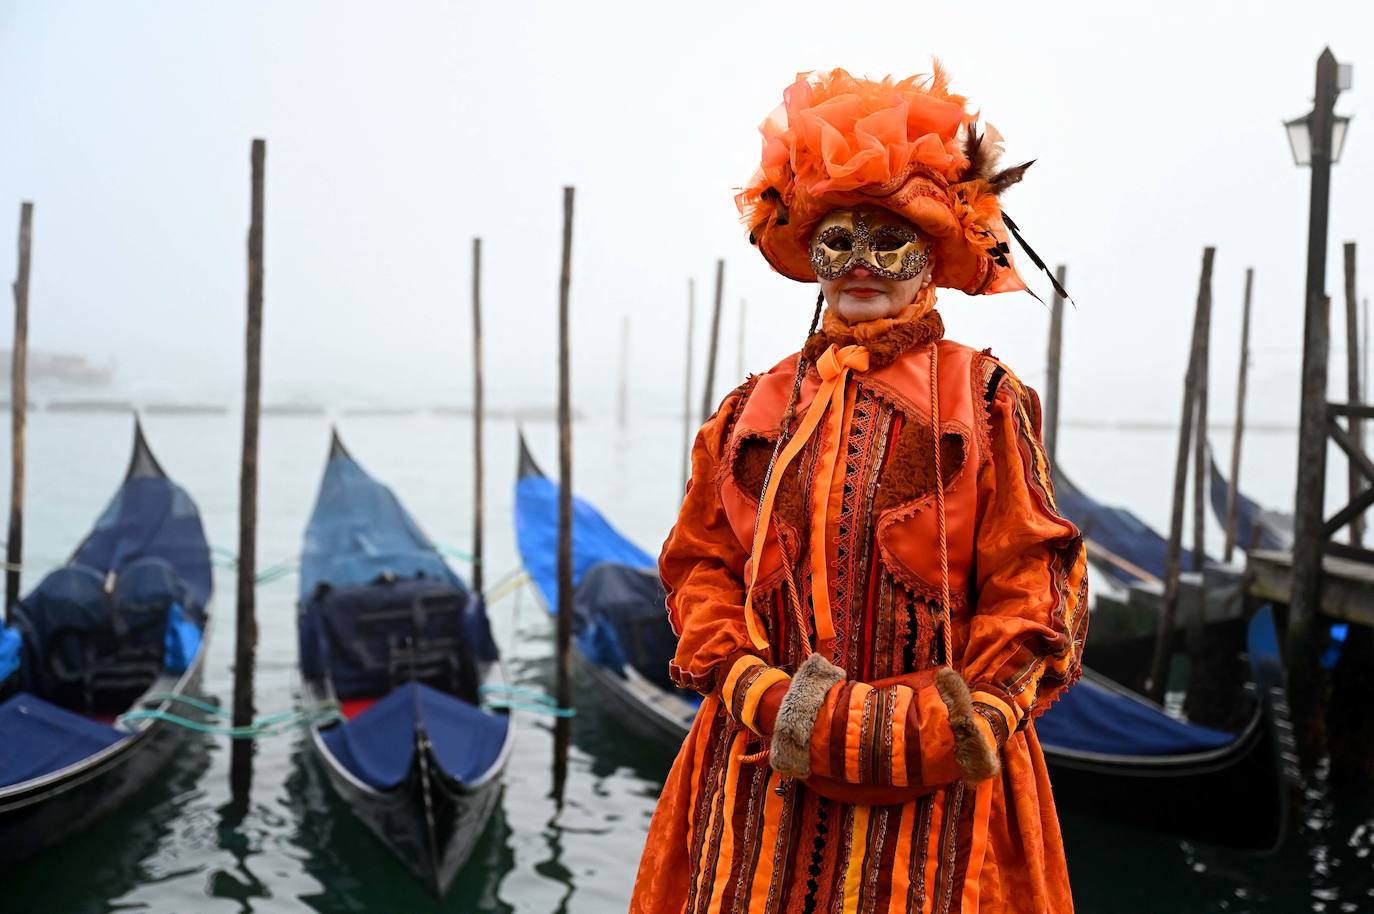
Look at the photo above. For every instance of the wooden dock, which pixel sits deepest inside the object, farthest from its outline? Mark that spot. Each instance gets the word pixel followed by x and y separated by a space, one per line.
pixel 1347 592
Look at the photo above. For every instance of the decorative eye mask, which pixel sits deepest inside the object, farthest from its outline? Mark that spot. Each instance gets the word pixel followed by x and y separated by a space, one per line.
pixel 882 243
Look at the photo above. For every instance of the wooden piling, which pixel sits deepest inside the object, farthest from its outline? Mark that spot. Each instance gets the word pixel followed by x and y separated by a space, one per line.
pixel 563 725
pixel 739 347
pixel 622 408
pixel 19 408
pixel 1352 376
pixel 1156 681
pixel 478 416
pixel 246 627
pixel 1238 433
pixel 1201 457
pixel 687 385
pixel 708 400
pixel 1052 362
pixel 1302 645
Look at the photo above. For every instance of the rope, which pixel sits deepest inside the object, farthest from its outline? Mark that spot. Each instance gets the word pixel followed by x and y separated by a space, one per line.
pixel 946 623
pixel 262 727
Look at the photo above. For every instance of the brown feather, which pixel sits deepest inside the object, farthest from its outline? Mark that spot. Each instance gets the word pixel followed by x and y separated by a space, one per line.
pixel 1008 176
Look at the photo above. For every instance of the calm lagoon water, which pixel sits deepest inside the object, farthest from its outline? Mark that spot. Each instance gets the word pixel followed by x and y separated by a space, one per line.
pixel 178 847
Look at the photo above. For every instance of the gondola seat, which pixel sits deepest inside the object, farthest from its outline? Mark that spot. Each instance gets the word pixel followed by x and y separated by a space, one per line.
pixel 370 638
pixel 623 620
pixel 93 650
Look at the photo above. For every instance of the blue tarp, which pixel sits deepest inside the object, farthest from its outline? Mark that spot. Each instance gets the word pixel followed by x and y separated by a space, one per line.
pixel 378 746
pixel 182 641
pixel 151 516
pixel 1093 717
pixel 1256 528
pixel 595 543
pixel 37 738
pixel 359 532
pixel 594 539
pixel 1116 530
pixel 10 644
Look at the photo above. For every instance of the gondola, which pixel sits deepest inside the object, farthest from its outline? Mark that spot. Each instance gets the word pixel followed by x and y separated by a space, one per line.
pixel 1114 753
pixel 1111 751
pixel 622 639
pixel 119 628
pixel 393 635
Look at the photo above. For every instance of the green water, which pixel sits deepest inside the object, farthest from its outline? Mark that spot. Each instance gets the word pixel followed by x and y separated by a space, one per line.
pixel 179 847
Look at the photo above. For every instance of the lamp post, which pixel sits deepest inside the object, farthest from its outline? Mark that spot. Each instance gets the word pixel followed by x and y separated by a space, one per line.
pixel 1316 141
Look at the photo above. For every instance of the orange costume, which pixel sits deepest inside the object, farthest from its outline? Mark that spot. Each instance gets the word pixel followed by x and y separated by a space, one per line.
pixel 873 646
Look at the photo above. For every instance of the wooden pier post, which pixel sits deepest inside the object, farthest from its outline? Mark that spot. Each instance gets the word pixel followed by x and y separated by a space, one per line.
pixel 739 350
pixel 1238 433
pixel 622 408
pixel 19 409
pixel 1352 377
pixel 1305 677
pixel 562 738
pixel 1052 363
pixel 246 627
pixel 1201 458
pixel 687 385
pixel 708 400
pixel 1156 681
pixel 478 416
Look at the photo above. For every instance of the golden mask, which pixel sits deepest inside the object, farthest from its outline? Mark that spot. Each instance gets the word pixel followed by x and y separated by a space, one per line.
pixel 882 242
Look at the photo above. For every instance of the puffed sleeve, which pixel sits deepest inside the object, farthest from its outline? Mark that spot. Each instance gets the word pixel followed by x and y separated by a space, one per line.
pixel 1026 636
pixel 702 568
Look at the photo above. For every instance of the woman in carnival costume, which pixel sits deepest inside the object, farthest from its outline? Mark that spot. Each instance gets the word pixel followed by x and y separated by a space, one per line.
pixel 869 579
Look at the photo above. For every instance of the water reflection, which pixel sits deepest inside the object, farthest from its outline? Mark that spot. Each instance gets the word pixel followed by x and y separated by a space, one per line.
pixel 355 872
pixel 153 838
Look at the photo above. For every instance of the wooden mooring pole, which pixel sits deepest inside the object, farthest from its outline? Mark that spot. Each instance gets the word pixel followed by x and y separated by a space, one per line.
pixel 1238 433
pixel 1052 369
pixel 562 733
pixel 1157 679
pixel 708 400
pixel 19 408
pixel 1201 457
pixel 1352 377
pixel 246 627
pixel 687 385
pixel 478 415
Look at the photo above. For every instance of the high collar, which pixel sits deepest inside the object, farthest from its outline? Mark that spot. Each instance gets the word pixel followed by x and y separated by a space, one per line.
pixel 885 338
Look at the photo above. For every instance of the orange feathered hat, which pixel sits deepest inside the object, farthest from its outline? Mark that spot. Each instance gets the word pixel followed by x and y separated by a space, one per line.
pixel 910 146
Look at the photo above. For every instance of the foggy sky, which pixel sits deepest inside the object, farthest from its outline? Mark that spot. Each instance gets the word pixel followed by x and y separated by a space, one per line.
pixel 397 132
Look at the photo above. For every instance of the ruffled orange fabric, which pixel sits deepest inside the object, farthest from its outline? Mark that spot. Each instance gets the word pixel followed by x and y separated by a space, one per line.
pixel 840 141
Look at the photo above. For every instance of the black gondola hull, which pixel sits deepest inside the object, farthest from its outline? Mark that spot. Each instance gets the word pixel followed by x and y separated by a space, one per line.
pixel 650 711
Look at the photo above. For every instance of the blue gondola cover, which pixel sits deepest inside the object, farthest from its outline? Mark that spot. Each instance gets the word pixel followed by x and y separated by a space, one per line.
pixel 594 539
pixel 1116 530
pixel 378 746
pixel 40 738
pixel 151 516
pixel 359 533
pixel 1093 717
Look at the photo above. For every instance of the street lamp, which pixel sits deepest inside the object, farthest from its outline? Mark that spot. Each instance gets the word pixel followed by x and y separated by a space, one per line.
pixel 1300 138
